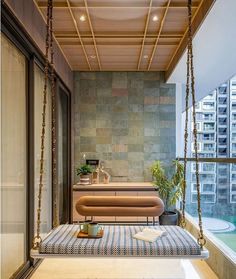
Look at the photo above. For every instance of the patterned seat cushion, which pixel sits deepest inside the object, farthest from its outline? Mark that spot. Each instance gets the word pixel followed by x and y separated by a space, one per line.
pixel 118 241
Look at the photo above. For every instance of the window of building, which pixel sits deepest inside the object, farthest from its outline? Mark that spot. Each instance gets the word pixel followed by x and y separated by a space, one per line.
pixel 208 187
pixel 222 151
pixel 233 126
pixel 233 198
pixel 222 120
pixel 222 141
pixel 233 187
pixel 208 166
pixel 223 89
pixel 222 131
pixel 208 198
pixel 222 100
pixel 233 167
pixel 233 106
pixel 209 147
pixel 222 110
pixel 233 177
pixel 233 146
pixel 208 105
pixel 208 116
pixel 208 126
pixel 208 136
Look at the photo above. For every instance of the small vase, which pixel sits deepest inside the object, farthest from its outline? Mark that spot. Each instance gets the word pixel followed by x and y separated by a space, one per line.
pixel 84 179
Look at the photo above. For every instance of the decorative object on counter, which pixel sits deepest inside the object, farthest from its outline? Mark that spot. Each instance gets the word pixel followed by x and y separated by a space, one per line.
pixel 169 189
pixel 95 176
pixel 94 163
pixel 84 172
pixel 106 175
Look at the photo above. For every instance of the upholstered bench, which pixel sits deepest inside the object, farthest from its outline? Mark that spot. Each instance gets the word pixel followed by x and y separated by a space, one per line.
pixel 120 206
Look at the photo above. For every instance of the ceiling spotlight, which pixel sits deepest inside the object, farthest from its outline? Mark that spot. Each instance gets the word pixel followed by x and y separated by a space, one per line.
pixel 82 18
pixel 145 56
pixel 155 18
pixel 92 56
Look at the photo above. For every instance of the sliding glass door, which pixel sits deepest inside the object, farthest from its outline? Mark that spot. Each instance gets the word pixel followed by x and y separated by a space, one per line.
pixel 63 156
pixel 13 159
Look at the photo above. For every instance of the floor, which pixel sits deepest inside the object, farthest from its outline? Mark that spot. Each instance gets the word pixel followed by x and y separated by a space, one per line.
pixel 113 268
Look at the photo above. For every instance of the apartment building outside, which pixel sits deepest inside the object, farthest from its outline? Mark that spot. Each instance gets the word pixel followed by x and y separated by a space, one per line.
pixel 216 125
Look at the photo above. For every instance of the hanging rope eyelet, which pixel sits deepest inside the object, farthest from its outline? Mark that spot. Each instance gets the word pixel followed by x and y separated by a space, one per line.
pixel 201 241
pixel 36 242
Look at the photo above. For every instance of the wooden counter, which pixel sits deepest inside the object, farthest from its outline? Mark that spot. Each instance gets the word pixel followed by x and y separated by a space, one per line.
pixel 116 186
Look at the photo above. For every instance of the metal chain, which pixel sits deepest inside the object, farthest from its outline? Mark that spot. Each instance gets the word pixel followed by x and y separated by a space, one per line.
pixel 54 141
pixel 201 239
pixel 37 239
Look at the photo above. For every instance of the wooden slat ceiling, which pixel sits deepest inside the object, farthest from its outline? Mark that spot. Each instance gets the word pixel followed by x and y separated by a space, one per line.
pixel 119 34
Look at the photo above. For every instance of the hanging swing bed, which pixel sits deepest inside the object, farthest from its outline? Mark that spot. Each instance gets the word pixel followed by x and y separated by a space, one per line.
pixel 117 240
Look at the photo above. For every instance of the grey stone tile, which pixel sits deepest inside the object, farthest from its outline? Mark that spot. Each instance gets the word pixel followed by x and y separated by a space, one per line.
pixel 136 164
pixel 120 139
pixel 119 80
pixel 120 168
pixel 120 131
pixel 103 148
pixel 120 123
pixel 104 83
pixel 151 84
pixel 87 148
pixel 87 124
pixel 136 107
pixel 135 99
pixel 135 148
pixel 135 116
pixel 107 123
pixel 104 75
pixel 136 75
pixel 135 139
pixel 88 140
pixel 151 108
pixel 119 156
pixel 107 92
pixel 149 148
pixel 153 76
pixel 135 156
pixel 86 75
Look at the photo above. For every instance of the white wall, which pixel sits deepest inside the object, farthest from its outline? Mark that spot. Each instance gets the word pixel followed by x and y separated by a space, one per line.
pixel 214 50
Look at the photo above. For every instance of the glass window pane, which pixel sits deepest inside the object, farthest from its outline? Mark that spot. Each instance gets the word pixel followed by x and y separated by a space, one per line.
pixel 13 159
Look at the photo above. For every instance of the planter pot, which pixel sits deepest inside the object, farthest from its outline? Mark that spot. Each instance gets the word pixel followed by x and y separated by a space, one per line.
pixel 168 218
pixel 84 179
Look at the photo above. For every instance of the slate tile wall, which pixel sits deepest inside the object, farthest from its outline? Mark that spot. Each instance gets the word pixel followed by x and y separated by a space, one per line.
pixel 126 119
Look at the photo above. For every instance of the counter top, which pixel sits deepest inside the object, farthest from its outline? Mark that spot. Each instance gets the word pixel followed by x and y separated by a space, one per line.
pixel 116 186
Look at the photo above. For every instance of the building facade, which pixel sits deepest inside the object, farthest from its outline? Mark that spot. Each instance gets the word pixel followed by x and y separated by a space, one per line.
pixel 216 125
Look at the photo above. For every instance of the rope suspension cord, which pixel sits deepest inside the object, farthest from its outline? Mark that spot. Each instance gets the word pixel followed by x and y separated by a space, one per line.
pixel 190 84
pixel 48 49
pixel 53 97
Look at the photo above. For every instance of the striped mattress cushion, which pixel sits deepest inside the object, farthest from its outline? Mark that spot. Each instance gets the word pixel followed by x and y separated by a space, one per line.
pixel 118 241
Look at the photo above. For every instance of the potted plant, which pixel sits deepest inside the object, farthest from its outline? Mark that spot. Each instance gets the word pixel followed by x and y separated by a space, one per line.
pixel 84 172
pixel 169 189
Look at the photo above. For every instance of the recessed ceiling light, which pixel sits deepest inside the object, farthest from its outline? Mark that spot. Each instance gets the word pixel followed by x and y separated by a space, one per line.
pixel 145 56
pixel 92 56
pixel 82 18
pixel 155 18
